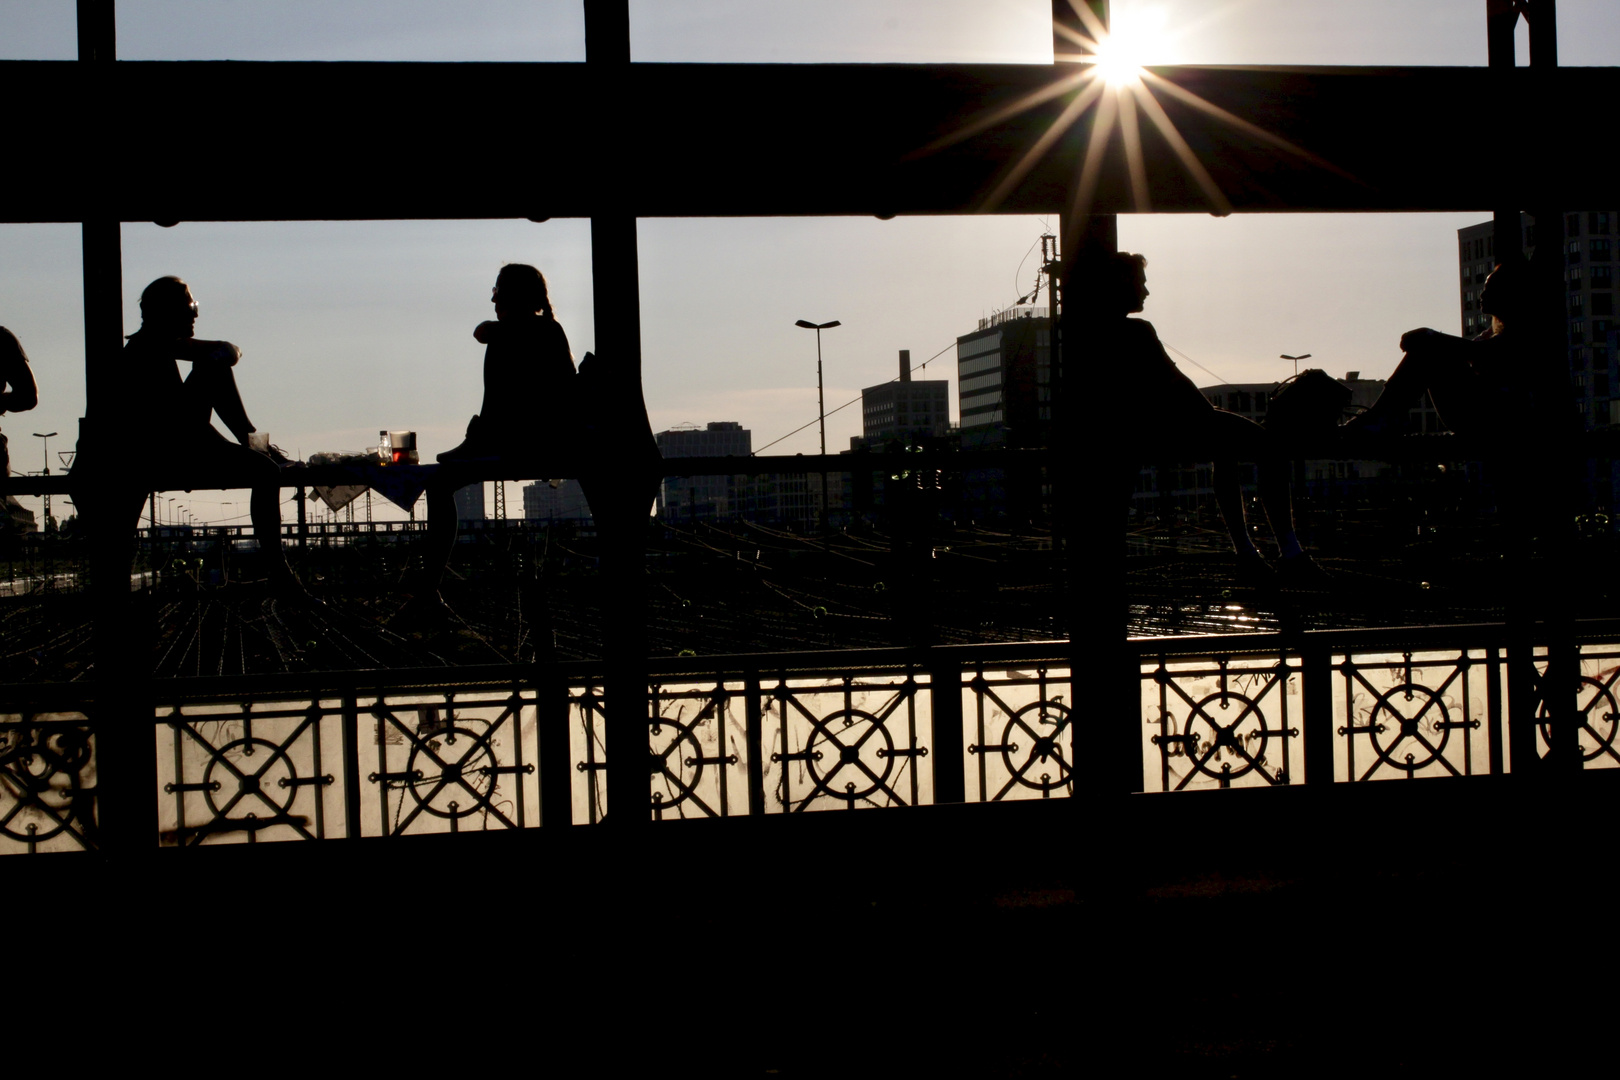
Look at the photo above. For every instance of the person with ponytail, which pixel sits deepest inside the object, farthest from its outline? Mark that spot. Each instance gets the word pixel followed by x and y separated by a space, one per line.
pixel 527 418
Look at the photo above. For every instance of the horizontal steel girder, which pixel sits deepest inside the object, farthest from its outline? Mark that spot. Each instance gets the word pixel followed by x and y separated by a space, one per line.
pixel 262 141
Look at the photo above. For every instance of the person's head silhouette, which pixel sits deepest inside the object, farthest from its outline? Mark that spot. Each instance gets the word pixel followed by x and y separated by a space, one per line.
pixel 1112 285
pixel 167 307
pixel 520 291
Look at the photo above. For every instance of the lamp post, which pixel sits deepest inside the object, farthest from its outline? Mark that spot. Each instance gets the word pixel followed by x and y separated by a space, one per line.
pixel 1295 359
pixel 821 397
pixel 821 407
pixel 46 437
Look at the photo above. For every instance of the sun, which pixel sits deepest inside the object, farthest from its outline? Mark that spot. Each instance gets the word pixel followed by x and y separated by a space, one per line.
pixel 1119 61
pixel 1138 35
pixel 1107 77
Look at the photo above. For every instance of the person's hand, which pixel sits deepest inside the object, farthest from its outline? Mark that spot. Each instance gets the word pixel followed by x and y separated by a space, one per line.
pixel 481 332
pixel 1416 339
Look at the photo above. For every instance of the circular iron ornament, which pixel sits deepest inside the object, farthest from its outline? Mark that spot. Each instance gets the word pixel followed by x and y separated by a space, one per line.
pixel 824 747
pixel 1600 718
pixel 1387 719
pixel 1225 738
pixel 444 782
pixel 676 754
pixel 43 772
pixel 1044 748
pixel 226 785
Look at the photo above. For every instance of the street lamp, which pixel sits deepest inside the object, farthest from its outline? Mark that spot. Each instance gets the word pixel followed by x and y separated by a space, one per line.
pixel 1295 359
pixel 171 510
pixel 821 397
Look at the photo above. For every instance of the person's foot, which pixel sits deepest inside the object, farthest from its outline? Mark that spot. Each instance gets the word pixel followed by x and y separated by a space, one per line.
pixel 279 456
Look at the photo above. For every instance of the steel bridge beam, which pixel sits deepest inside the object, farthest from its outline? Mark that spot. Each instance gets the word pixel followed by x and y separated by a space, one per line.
pixel 353 141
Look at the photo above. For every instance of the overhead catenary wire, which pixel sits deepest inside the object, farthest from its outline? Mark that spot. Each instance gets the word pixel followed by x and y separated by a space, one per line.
pixel 916 367
pixel 1045 228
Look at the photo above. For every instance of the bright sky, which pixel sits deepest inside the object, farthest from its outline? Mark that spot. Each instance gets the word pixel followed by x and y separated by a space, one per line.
pixel 348 328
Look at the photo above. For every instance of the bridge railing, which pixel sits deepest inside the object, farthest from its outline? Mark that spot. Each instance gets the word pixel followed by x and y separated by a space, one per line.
pixel 368 754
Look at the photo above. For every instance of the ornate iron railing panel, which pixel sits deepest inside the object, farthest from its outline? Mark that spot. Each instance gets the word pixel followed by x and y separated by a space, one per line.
pixel 846 742
pixel 47 782
pixel 1020 733
pixel 697 750
pixel 449 761
pixel 1221 722
pixel 245 772
pixel 1597 704
pixel 244 761
pixel 697 743
pixel 1413 714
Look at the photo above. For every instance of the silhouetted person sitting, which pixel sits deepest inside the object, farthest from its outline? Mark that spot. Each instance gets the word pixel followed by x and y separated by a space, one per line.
pixel 1489 384
pixel 18 393
pixel 526 419
pixel 1159 404
pixel 161 433
pixel 1494 386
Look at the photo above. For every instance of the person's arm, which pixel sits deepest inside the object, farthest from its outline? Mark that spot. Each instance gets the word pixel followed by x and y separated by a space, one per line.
pixel 18 391
pixel 196 349
pixel 485 332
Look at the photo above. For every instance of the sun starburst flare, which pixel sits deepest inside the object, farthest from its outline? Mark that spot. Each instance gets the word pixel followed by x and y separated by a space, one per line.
pixel 1108 74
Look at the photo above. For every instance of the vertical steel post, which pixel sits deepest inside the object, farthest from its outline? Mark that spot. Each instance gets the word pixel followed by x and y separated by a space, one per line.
pixel 945 706
pixel 1551 345
pixel 622 530
pixel 1316 692
pixel 556 772
pixel 126 761
pixel 1093 557
pixel 754 711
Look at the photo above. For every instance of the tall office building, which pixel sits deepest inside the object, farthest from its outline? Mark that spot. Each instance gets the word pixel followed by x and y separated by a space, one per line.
pixel 1004 396
pixel 555 501
pixel 707 498
pixel 905 407
pixel 470 502
pixel 1003 379
pixel 789 499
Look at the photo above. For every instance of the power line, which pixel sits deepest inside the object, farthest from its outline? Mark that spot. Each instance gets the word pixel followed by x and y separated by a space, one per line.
pixel 1196 364
pixel 847 404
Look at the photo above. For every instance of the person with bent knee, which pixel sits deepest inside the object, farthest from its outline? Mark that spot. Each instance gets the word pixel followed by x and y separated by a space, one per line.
pixel 1160 404
pixel 526 419
pixel 161 433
